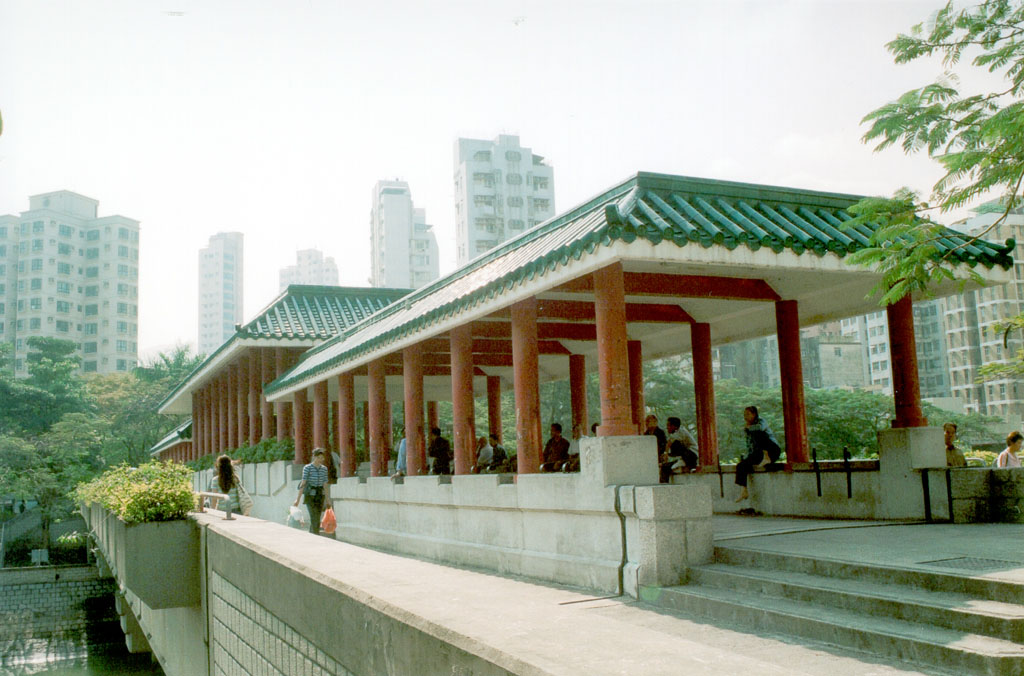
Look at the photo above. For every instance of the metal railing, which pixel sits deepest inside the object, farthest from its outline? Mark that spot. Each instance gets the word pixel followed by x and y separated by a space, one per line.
pixel 216 496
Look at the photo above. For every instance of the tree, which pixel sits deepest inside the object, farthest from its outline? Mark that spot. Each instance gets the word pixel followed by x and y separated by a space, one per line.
pixel 977 137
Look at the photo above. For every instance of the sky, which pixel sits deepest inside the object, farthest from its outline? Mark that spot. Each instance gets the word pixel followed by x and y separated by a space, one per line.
pixel 276 118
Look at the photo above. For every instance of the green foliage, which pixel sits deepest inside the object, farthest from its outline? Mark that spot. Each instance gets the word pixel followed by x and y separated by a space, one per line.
pixel 267 450
pixel 155 491
pixel 978 138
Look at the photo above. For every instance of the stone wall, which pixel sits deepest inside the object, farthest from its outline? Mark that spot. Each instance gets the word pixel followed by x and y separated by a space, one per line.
pixel 60 611
pixel 978 494
pixel 53 601
pixel 246 638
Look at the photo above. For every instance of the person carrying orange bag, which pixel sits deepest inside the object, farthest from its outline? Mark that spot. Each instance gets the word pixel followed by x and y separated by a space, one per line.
pixel 329 523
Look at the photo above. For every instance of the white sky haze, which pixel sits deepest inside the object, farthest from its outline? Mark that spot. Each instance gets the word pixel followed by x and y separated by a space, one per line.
pixel 276 118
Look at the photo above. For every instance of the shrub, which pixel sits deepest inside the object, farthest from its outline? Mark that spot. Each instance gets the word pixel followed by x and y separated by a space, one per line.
pixel 267 450
pixel 155 491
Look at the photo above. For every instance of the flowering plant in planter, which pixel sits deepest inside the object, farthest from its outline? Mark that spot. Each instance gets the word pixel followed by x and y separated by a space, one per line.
pixel 155 491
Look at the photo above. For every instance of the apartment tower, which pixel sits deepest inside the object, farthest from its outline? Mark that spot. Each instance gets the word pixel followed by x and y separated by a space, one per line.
pixel 220 290
pixel 501 190
pixel 311 267
pixel 67 273
pixel 403 247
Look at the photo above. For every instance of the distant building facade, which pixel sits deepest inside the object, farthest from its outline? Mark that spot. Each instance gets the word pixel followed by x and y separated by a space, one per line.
pixel 970 321
pixel 220 289
pixel 67 273
pixel 403 248
pixel 311 267
pixel 872 332
pixel 501 190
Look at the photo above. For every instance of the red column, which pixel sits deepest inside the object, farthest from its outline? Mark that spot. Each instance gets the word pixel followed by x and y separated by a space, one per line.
pixel 412 377
pixel 282 409
pixel 266 408
pixel 346 425
pixel 222 415
pixel 389 435
pixel 196 407
pixel 232 397
pixel 906 382
pixel 704 393
pixel 321 421
pixel 366 426
pixel 463 424
pixel 494 406
pixel 301 432
pixel 578 391
pixel 242 407
pixel 525 386
pixel 612 361
pixel 210 428
pixel 432 418
pixel 253 403
pixel 635 357
pixel 377 418
pixel 794 414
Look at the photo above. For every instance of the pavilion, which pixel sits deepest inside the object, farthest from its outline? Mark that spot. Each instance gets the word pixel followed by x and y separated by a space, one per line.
pixel 657 265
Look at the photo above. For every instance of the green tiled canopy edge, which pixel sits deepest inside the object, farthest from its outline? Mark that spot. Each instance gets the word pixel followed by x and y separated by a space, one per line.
pixel 306 312
pixel 653 207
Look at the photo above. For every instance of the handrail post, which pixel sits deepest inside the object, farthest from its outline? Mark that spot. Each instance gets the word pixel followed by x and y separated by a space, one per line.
pixel 846 466
pixel 927 496
pixel 817 469
pixel 721 482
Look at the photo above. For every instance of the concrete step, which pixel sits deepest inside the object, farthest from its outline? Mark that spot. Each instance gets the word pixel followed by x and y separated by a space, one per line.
pixel 977 587
pixel 943 649
pixel 955 611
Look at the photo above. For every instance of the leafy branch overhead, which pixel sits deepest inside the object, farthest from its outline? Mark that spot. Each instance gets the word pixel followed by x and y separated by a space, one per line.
pixel 977 137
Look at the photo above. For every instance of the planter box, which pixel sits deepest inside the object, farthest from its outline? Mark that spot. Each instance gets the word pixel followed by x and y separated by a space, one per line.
pixel 158 562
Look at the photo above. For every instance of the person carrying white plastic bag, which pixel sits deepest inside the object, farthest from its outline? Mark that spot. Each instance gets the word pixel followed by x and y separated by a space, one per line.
pixel 297 517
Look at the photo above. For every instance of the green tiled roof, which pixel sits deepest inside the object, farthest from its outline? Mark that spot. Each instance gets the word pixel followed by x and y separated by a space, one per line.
pixel 182 432
pixel 653 207
pixel 318 312
pixel 304 312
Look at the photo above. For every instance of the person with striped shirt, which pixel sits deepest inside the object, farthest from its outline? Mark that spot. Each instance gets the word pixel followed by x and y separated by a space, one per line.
pixel 315 489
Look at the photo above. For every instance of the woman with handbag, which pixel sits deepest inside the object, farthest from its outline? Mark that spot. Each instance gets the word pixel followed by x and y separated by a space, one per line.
pixel 314 488
pixel 230 483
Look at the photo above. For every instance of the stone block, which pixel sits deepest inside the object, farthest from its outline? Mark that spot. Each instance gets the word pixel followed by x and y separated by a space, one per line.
pixel 911 448
pixel 608 461
pixel 668 502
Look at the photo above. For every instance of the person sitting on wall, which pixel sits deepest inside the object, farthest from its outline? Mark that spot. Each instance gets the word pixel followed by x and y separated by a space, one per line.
pixel 400 463
pixel 484 455
pixel 954 458
pixel 652 429
pixel 573 464
pixel 556 450
pixel 498 455
pixel 440 452
pixel 760 443
pixel 1008 458
pixel 680 450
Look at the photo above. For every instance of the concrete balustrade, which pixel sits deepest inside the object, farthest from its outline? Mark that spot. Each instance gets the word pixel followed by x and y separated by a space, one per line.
pixel 607 528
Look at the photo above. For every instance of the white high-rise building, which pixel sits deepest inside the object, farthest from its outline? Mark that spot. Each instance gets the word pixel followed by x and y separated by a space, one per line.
pixel 67 273
pixel 501 190
pixel 311 267
pixel 220 290
pixel 403 248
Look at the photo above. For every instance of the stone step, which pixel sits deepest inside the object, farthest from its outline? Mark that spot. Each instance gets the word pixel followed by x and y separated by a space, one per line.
pixel 943 649
pixel 974 586
pixel 955 611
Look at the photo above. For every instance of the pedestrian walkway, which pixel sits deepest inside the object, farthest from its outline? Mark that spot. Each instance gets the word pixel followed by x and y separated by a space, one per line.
pixel 524 627
pixel 991 550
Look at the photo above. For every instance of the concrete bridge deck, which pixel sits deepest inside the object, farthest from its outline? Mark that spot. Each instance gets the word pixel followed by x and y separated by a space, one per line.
pixel 528 628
